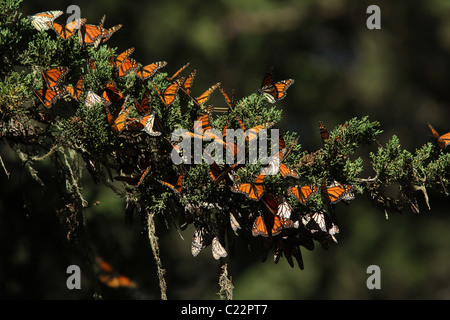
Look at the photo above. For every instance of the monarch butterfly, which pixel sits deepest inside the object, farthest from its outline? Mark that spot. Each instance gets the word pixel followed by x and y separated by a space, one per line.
pixel 49 96
pixel 270 225
pixel 218 251
pixel 187 84
pixel 54 76
pixel 203 122
pixel 148 123
pixel 143 107
pixel 201 99
pixel 128 65
pixel 274 91
pixel 290 247
pixel 75 92
pixel 235 225
pixel 229 101
pixel 42 21
pixel 92 99
pixel 253 190
pixel 110 277
pixel 134 181
pixel 443 141
pixel 320 222
pixel 325 135
pixel 303 193
pixel 170 79
pixel 116 61
pixel 170 93
pixel 68 30
pixel 107 33
pixel 337 192
pixel 277 205
pixel 217 174
pixel 111 93
pixel 91 34
pixel 277 160
pixel 252 133
pixel 145 72
pixel 178 187
pixel 120 122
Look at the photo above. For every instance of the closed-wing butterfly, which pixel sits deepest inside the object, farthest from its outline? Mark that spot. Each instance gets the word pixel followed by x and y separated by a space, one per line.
pixel 68 30
pixel 119 123
pixel 201 238
pixel 54 76
pixel 108 276
pixel 337 192
pixel 276 161
pixel 149 70
pixel 325 135
pixel 178 186
pixel 443 141
pixel 92 99
pixel 274 91
pixel 43 20
pixel 218 251
pixel 234 222
pixel 111 93
pixel 75 91
pixel 277 205
pixel 143 107
pixel 148 123
pixel 49 96
pixel 175 75
pixel 187 84
pixel 303 193
pixel 320 222
pixel 134 181
pixel 253 190
pixel 170 93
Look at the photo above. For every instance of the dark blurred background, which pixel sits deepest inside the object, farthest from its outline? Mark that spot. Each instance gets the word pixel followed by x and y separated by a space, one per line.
pixel 398 75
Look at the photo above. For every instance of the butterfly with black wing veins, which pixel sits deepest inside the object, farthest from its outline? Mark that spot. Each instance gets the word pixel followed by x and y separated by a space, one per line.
pixel 274 91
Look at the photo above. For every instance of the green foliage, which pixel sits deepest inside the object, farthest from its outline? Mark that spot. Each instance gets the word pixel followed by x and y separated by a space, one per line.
pixel 85 132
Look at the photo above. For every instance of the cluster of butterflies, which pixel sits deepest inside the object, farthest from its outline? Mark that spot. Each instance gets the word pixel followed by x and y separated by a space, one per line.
pixel 278 224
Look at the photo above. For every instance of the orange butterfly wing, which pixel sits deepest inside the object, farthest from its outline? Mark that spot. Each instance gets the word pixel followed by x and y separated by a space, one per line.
pixel 177 73
pixel 75 92
pixel 149 70
pixel 259 227
pixel 252 191
pixel 443 141
pixel 187 85
pixel 178 187
pixel 68 30
pixel 303 193
pixel 337 192
pixel 200 100
pixel 54 76
pixel 49 96
pixel 134 181
pixel 126 67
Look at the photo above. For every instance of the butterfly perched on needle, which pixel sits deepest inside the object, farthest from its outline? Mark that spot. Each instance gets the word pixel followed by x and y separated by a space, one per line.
pixel 269 224
pixel 319 223
pixel 276 161
pixel 442 140
pixel 43 20
pixel 277 205
pixel 274 91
